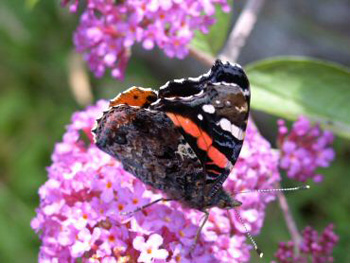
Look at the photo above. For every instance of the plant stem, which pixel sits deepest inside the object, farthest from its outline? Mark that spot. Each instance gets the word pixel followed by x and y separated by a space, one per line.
pixel 291 225
pixel 79 80
pixel 241 31
pixel 238 36
pixel 201 56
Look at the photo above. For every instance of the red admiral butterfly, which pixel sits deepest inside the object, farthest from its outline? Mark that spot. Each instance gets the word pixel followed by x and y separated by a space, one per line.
pixel 184 139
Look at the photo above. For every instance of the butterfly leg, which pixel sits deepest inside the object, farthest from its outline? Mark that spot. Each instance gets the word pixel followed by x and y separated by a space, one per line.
pixel 145 206
pixel 206 217
pixel 217 185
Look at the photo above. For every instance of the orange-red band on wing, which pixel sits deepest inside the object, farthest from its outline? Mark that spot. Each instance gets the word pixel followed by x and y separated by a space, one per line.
pixel 218 158
pixel 204 142
pixel 189 127
pixel 173 118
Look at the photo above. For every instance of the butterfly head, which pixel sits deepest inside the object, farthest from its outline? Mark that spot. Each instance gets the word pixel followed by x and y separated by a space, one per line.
pixel 224 200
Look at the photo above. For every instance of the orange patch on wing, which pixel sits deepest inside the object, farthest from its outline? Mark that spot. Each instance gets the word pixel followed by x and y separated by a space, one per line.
pixel 135 96
pixel 204 141
pixel 189 126
pixel 173 118
pixel 185 123
pixel 218 158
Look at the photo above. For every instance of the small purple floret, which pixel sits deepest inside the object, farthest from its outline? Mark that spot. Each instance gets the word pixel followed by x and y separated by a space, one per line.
pixel 313 248
pixel 108 29
pixel 304 149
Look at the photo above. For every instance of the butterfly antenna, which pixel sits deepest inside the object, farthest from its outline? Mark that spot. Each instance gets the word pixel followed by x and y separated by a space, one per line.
pixel 288 189
pixel 238 215
pixel 247 233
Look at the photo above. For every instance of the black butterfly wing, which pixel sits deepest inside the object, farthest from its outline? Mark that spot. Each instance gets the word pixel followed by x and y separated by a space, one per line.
pixel 211 112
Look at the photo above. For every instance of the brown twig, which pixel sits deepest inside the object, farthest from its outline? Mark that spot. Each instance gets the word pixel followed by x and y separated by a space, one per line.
pixel 291 225
pixel 79 80
pixel 242 29
pixel 205 58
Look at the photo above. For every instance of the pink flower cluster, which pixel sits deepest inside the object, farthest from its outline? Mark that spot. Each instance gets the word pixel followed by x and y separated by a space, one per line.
pixel 317 248
pixel 304 149
pixel 80 204
pixel 108 29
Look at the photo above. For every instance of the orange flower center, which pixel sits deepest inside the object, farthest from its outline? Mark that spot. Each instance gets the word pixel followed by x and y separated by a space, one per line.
pixel 109 185
pixel 111 238
pixel 181 233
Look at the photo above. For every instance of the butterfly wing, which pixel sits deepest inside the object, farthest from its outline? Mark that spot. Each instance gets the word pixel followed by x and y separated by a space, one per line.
pixel 211 115
pixel 134 96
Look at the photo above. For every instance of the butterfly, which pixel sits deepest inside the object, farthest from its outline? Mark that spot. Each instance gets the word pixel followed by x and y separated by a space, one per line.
pixel 183 139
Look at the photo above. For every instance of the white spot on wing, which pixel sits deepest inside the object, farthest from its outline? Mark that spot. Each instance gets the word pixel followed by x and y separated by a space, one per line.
pixel 200 117
pixel 246 92
pixel 243 108
pixel 179 80
pixel 237 132
pixel 225 124
pixel 208 108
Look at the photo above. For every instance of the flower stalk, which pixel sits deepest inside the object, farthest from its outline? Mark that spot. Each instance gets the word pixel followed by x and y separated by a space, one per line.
pixel 288 217
pixel 242 30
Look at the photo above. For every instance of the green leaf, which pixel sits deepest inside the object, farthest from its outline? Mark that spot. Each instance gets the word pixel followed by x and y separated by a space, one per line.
pixel 213 42
pixel 292 86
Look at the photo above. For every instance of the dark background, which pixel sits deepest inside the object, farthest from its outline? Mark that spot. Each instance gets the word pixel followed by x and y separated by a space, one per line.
pixel 37 100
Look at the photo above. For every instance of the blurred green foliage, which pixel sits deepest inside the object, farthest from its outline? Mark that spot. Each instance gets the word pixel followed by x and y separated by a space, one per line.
pixel 296 86
pixel 213 42
pixel 36 103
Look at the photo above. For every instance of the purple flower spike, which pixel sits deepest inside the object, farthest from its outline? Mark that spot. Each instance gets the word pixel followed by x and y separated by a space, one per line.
pixel 304 149
pixel 108 29
pixel 313 247
pixel 79 218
